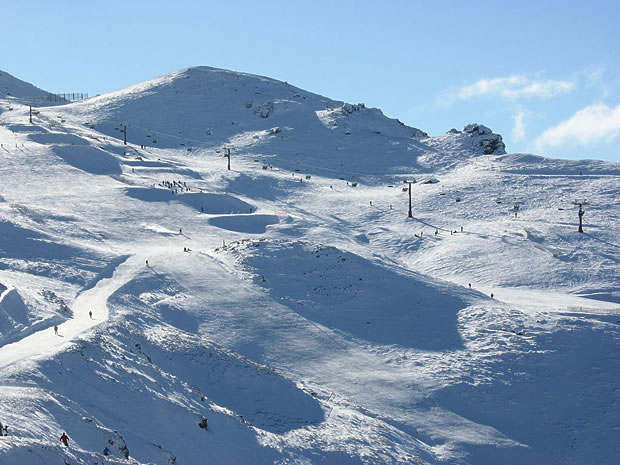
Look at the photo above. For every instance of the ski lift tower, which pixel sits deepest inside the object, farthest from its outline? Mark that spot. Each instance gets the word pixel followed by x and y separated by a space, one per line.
pixel 581 203
pixel 227 155
pixel 410 215
pixel 124 131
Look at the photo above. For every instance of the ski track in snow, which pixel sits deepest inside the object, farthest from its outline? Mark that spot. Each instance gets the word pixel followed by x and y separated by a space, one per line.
pixel 45 343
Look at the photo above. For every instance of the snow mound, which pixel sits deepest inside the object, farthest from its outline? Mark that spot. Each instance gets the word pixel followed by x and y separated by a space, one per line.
pixel 251 224
pixel 13 312
pixel 379 304
pixel 205 202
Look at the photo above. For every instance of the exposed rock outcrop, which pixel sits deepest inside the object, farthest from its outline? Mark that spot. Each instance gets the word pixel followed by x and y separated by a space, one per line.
pixel 485 139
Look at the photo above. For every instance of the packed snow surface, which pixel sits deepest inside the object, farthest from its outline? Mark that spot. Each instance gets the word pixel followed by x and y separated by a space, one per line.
pixel 290 301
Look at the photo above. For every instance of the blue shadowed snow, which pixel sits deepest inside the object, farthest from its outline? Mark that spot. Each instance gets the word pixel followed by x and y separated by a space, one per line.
pixel 31 251
pixel 57 138
pixel 89 159
pixel 341 291
pixel 251 224
pixel 212 204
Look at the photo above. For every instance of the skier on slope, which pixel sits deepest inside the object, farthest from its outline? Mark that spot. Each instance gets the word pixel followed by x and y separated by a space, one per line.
pixel 56 330
pixel 65 439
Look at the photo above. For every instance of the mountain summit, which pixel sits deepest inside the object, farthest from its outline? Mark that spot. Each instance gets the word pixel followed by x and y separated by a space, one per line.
pixel 209 106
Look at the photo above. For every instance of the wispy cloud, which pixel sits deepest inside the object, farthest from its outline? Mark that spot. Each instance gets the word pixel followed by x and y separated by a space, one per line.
pixel 592 76
pixel 510 87
pixel 518 130
pixel 594 123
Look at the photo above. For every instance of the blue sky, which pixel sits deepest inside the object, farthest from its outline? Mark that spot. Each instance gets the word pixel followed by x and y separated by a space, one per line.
pixel 544 74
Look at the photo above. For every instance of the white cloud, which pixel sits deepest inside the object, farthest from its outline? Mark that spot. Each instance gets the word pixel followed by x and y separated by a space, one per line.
pixel 515 86
pixel 593 123
pixel 518 130
pixel 511 87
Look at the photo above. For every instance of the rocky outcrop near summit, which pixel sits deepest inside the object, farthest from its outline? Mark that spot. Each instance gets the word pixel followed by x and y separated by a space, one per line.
pixel 489 142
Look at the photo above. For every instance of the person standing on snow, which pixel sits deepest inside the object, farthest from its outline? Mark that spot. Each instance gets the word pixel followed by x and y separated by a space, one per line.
pixel 56 330
pixel 65 439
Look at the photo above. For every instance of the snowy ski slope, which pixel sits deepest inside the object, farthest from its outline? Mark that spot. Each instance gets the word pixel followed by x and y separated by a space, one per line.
pixel 290 301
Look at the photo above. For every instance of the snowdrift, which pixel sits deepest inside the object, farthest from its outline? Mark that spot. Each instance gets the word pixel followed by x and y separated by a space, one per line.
pixel 13 312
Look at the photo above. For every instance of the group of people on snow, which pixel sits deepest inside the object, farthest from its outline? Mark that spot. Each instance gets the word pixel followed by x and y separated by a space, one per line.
pixel 175 186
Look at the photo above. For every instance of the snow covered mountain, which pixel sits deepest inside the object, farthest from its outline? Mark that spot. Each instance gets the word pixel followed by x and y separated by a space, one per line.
pixel 289 300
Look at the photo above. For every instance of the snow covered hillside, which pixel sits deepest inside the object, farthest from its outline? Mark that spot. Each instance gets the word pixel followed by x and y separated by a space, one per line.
pixel 10 86
pixel 287 310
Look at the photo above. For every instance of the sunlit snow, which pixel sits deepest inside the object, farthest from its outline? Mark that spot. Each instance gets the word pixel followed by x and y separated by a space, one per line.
pixel 290 300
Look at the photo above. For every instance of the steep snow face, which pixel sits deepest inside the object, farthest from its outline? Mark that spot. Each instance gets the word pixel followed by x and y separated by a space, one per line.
pixel 10 86
pixel 290 300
